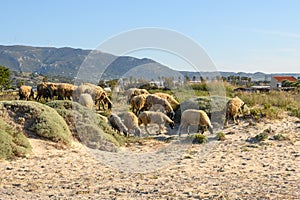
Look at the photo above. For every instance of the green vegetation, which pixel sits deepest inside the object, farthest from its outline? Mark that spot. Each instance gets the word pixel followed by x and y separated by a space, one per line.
pixel 4 78
pixel 199 139
pixel 261 137
pixel 280 137
pixel 38 120
pixel 272 105
pixel 12 142
pixel 221 136
pixel 87 126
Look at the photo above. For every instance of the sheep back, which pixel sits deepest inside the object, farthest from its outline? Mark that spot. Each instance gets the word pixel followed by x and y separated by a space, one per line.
pixel 25 92
pixel 86 100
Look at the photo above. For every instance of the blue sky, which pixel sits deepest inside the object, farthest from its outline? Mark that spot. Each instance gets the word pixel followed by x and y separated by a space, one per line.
pixel 238 35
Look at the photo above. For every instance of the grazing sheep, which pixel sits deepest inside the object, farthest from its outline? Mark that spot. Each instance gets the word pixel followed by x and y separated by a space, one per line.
pixel 25 92
pixel 98 94
pixel 157 108
pixel 86 100
pixel 117 124
pixel 137 103
pixel 152 99
pixel 43 91
pixel 151 117
pixel 233 107
pixel 65 90
pixel 52 87
pixel 197 118
pixel 134 92
pixel 131 122
pixel 169 98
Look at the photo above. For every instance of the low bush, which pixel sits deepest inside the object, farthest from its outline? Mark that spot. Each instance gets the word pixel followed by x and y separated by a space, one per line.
pixel 37 119
pixel 87 127
pixel 221 136
pixel 199 139
pixel 12 142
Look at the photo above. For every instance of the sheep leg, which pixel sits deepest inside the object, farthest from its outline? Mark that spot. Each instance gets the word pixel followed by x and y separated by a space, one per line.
pixel 146 129
pixel 200 128
pixel 235 120
pixel 181 128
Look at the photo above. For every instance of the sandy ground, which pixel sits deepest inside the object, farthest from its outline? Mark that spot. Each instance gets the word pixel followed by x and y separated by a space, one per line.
pixel 151 169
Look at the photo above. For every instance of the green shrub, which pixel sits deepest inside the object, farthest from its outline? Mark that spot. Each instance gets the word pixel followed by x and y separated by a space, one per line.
pixel 261 137
pixel 87 127
pixel 199 139
pixel 12 143
pixel 39 120
pixel 221 136
pixel 280 137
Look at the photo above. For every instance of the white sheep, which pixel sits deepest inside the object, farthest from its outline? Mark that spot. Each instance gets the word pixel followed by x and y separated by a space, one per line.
pixel 152 99
pixel 117 124
pixel 233 107
pixel 86 100
pixel 131 122
pixel 151 117
pixel 195 118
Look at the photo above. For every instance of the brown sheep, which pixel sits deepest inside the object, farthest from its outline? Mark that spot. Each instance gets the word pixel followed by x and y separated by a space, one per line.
pixel 134 92
pixel 26 92
pixel 151 117
pixel 137 103
pixel 152 99
pixel 195 118
pixel 52 87
pixel 98 94
pixel 174 103
pixel 65 90
pixel 233 107
pixel 42 91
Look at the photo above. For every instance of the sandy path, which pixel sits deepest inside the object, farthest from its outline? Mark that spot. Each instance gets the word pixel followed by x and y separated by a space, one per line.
pixel 232 169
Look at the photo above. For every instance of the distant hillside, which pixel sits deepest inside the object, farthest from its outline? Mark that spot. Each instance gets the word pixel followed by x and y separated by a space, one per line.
pixel 69 61
pixel 258 76
pixel 95 65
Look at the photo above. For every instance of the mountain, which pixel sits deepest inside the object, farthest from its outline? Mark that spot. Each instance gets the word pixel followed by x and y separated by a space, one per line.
pixel 84 64
pixel 95 65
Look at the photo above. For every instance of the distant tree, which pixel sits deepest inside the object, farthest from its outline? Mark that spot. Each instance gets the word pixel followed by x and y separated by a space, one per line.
pixel 20 83
pixel 187 79
pixel 224 78
pixel 4 78
pixel 102 83
pixel 202 79
pixel 194 78
pixel 113 83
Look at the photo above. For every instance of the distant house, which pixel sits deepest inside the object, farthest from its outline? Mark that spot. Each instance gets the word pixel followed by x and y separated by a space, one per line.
pixel 276 81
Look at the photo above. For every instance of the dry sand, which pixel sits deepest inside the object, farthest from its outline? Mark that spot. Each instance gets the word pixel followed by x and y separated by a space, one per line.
pixel 232 169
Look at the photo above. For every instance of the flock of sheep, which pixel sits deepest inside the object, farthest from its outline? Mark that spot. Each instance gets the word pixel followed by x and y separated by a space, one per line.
pixel 146 108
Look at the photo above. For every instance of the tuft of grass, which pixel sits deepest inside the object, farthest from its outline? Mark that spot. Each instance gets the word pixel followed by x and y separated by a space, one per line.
pixel 199 139
pixel 221 136
pixel 280 137
pixel 261 137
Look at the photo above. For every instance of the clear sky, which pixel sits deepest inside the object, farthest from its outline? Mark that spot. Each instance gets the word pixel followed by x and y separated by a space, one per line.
pixel 238 35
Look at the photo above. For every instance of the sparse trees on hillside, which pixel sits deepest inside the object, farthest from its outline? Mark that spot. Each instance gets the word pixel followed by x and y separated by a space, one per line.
pixel 4 78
